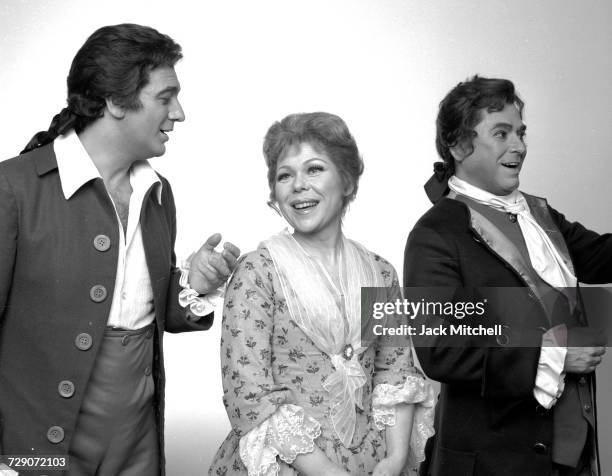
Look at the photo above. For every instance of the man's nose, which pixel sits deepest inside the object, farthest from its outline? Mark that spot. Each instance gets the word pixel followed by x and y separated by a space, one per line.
pixel 518 145
pixel 177 113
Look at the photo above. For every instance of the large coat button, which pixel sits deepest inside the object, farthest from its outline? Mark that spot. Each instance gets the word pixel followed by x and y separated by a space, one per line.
pixel 55 434
pixel 98 293
pixel 540 448
pixel 101 242
pixel 66 388
pixel 83 341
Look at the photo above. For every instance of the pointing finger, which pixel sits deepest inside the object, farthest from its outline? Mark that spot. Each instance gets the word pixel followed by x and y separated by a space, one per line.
pixel 212 241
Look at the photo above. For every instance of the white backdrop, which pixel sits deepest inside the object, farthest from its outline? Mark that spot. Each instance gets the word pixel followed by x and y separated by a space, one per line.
pixel 382 65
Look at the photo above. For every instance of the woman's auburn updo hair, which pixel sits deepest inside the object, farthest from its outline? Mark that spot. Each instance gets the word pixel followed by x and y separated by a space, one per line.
pixel 460 112
pixel 113 63
pixel 325 133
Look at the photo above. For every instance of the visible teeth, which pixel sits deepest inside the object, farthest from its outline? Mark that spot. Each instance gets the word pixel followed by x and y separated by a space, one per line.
pixel 302 205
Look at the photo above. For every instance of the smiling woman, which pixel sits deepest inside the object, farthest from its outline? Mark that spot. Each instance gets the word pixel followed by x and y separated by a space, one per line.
pixel 310 192
pixel 300 381
pixel 313 172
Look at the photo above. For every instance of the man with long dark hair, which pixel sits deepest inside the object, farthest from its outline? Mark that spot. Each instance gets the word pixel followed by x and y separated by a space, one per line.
pixel 88 282
pixel 521 402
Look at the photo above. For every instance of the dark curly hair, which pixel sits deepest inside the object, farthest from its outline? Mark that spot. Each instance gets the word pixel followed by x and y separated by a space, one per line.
pixel 460 111
pixel 322 131
pixel 114 63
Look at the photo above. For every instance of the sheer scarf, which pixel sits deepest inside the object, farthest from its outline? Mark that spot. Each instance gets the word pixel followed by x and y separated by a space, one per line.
pixel 312 300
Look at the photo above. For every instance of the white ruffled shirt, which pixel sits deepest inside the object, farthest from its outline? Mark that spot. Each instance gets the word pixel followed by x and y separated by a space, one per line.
pixel 132 300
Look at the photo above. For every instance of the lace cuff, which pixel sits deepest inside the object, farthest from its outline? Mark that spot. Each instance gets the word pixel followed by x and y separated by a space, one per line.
pixel 199 305
pixel 417 391
pixel 288 433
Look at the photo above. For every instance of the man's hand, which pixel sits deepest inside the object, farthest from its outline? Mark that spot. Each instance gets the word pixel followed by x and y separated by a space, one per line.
pixel 585 348
pixel 209 269
pixel 583 360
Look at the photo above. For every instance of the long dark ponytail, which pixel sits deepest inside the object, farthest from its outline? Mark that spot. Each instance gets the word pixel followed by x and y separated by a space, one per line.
pixel 113 63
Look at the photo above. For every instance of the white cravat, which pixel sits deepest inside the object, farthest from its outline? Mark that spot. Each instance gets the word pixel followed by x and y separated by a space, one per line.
pixel 544 256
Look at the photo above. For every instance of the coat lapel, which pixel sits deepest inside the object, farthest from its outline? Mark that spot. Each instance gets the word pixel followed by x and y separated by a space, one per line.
pixel 156 241
pixel 502 246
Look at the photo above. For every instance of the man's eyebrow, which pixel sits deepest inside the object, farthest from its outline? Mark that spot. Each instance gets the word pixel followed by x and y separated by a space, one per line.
pixel 169 89
pixel 507 126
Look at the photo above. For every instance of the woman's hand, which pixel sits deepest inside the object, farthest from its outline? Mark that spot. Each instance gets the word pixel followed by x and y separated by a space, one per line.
pixel 389 466
pixel 317 463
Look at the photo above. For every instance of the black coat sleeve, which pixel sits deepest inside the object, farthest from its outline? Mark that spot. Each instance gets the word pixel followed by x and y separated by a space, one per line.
pixel 178 319
pixel 591 252
pixel 8 240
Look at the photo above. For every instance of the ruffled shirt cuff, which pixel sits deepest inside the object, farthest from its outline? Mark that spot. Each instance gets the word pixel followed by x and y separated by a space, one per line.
pixel 289 432
pixel 415 390
pixel 550 377
pixel 200 305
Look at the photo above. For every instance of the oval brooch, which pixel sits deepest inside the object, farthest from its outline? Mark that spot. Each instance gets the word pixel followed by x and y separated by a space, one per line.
pixel 348 352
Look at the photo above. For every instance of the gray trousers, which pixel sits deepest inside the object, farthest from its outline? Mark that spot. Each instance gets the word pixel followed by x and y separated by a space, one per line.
pixel 116 430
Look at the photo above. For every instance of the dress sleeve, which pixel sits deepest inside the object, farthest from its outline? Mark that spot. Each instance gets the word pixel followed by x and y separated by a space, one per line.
pixel 398 381
pixel 260 410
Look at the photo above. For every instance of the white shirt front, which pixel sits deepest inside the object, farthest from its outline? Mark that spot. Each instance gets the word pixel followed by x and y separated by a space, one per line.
pixel 132 301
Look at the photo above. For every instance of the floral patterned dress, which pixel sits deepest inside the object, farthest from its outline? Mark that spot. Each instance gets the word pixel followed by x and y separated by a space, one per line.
pixel 273 378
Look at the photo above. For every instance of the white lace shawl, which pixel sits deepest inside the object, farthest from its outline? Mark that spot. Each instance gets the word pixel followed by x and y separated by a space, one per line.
pixel 312 303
